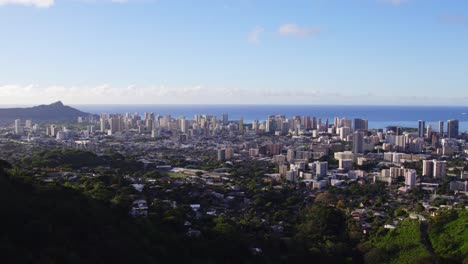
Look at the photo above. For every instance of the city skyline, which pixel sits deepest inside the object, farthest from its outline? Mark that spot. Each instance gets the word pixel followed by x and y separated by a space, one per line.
pixel 369 52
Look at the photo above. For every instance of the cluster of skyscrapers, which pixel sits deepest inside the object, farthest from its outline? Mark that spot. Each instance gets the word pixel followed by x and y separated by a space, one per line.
pixel 452 129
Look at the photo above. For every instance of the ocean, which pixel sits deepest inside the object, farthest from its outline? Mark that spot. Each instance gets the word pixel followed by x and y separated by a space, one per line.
pixel 378 116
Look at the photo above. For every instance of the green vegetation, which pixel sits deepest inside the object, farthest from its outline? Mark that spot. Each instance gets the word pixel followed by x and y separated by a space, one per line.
pixel 401 245
pixel 87 222
pixel 409 129
pixel 53 224
pixel 443 240
pixel 49 223
pixel 323 233
pixel 449 234
pixel 176 175
pixel 71 158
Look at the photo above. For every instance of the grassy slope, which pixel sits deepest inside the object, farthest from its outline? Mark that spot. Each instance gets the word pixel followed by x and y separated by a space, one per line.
pixel 452 240
pixel 177 175
pixel 404 245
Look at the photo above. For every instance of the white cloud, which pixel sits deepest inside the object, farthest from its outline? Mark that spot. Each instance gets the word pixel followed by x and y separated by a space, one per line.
pixel 394 2
pixel 290 93
pixel 36 3
pixel 295 30
pixel 105 93
pixel 134 94
pixel 14 94
pixel 254 35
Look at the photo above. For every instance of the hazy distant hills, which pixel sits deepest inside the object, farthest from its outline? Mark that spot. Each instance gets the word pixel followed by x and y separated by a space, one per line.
pixel 56 111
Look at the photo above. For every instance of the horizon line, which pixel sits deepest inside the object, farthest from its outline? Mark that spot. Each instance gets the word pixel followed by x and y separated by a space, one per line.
pixel 234 104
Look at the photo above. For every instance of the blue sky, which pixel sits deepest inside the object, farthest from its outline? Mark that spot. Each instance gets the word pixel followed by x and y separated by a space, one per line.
pixel 408 52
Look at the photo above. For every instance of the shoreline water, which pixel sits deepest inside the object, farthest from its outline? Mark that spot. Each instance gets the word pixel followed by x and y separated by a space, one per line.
pixel 378 116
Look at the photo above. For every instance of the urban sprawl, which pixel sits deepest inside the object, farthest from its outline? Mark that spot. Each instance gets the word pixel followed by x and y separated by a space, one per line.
pixel 227 163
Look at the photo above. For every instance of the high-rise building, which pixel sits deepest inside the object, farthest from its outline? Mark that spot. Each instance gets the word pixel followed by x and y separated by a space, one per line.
pixel 168 120
pixel 400 142
pixel 429 131
pixel 283 170
pixel 53 130
pixel 421 128
pixel 269 125
pixel 439 169
pixel 225 119
pixel 358 142
pixel 441 128
pixel 229 153
pixel 306 123
pixel 345 164
pixel 253 152
pixel 435 140
pixel 360 124
pixel 410 178
pixel 149 124
pixel 452 128
pixel 346 123
pixel 183 138
pixel 291 155
pixel 336 122
pixel 182 124
pixel 18 127
pixel 274 149
pixel 344 132
pixel 313 123
pixel 294 122
pixel 285 127
pixel 221 154
pixel 396 157
pixel 428 168
pixel 241 124
pixel 321 168
pixel 114 124
pixel 28 124
pixel 103 124
pixel 255 125
pixel 155 133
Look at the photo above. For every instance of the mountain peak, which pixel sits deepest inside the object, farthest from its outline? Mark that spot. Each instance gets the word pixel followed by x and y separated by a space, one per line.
pixel 54 111
pixel 58 103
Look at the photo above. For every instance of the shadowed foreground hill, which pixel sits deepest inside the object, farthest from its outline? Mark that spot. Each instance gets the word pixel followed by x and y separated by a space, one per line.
pixel 48 223
pixel 58 225
pixel 56 111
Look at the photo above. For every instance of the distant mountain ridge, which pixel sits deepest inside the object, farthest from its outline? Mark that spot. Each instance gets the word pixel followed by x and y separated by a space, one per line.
pixel 56 111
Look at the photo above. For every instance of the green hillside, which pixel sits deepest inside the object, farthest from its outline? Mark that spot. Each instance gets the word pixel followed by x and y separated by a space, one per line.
pixel 449 234
pixel 401 245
